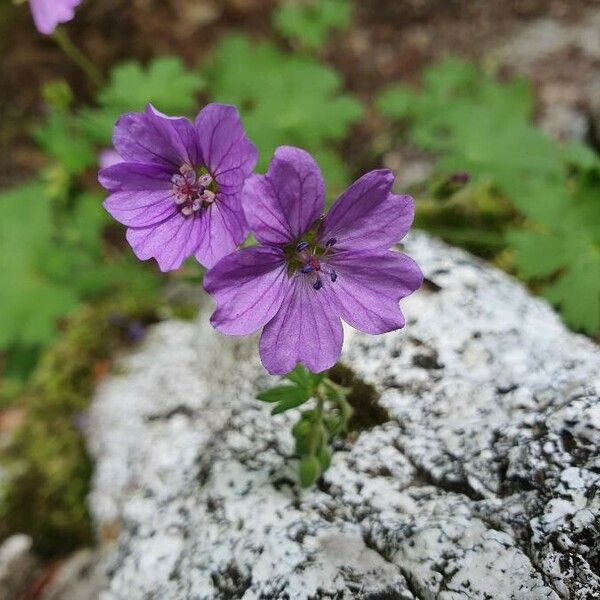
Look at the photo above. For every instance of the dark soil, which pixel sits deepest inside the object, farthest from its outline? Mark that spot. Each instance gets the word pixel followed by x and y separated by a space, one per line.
pixel 392 39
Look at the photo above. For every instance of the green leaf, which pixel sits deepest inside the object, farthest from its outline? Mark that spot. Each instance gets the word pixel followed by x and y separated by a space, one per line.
pixel 165 82
pixel 301 377
pixel 309 470
pixel 536 254
pixel 577 293
pixel 50 265
pixel 61 139
pixel 284 392
pixel 30 304
pixel 285 99
pixel 478 124
pixel 309 22
pixel 292 401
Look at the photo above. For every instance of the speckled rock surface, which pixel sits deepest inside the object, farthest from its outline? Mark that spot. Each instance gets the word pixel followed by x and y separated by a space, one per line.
pixel 18 566
pixel 484 483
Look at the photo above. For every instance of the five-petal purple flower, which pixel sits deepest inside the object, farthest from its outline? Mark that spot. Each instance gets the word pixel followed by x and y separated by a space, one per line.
pixel 47 14
pixel 310 272
pixel 179 185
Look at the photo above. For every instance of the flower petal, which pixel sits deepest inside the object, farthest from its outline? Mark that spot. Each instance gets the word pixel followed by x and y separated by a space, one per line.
pixel 141 193
pixel 369 286
pixel 47 14
pixel 225 149
pixel 141 209
pixel 170 242
pixel 248 287
pixel 368 216
pixel 108 158
pixel 135 176
pixel 223 229
pixel 305 330
pixel 152 137
pixel 282 205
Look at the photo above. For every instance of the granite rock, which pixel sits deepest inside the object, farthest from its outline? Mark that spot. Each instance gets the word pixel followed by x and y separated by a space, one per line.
pixel 484 483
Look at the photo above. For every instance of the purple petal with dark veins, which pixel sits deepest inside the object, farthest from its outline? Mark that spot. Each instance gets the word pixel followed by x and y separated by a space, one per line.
pixel 248 287
pixel 282 205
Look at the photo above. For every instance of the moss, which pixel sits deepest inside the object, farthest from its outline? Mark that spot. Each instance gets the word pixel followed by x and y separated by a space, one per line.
pixel 49 470
pixel 363 398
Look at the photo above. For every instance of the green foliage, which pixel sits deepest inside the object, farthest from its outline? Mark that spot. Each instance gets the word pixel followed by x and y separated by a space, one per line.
pixel 165 83
pixel 53 264
pixel 285 99
pixel 309 22
pixel 475 123
pixel 62 140
pixel 30 304
pixel 71 139
pixel 53 254
pixel 46 470
pixel 563 251
pixel 317 426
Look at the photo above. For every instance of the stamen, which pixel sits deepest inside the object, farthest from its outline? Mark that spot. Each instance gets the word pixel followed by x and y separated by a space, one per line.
pixel 333 275
pixel 205 180
pixel 307 269
pixel 208 196
pixel 180 198
pixel 318 284
pixel 330 242
pixel 302 246
pixel 190 190
pixel 178 179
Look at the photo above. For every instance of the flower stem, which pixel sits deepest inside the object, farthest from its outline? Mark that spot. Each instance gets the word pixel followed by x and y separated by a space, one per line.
pixel 61 37
pixel 317 423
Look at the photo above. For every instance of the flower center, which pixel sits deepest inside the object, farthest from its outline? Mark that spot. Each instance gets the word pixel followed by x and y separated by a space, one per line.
pixel 193 189
pixel 311 263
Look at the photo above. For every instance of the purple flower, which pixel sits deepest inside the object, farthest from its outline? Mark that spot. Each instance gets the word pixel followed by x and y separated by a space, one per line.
pixel 179 186
pixel 47 14
pixel 309 272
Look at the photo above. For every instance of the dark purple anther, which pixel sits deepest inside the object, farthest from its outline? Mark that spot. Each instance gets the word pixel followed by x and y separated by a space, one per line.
pixel 333 275
pixel 330 242
pixel 307 269
pixel 318 284
pixel 302 246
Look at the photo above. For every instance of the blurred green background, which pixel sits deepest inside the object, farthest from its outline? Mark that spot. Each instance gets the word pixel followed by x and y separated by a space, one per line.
pixel 495 131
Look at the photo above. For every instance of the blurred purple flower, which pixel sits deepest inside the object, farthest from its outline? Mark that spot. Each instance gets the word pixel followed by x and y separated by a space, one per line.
pixel 178 189
pixel 108 158
pixel 136 331
pixel 308 273
pixel 47 14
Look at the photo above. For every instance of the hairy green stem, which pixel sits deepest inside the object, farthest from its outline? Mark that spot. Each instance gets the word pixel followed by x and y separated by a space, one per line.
pixel 61 37
pixel 317 424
